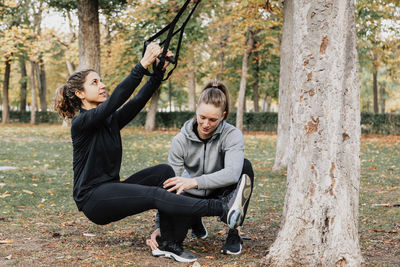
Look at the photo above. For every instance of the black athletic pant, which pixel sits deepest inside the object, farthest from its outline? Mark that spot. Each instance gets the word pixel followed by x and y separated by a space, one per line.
pixel 143 191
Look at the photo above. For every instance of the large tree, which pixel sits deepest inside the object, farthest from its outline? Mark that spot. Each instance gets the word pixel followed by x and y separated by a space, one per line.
pixel 320 216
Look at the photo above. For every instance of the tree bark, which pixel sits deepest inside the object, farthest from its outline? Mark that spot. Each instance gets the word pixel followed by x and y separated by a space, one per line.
pixel 221 53
pixel 320 215
pixel 150 124
pixel 192 88
pixel 287 71
pixel 33 93
pixel 70 67
pixel 23 84
pixel 89 34
pixel 170 95
pixel 6 85
pixel 243 80
pixel 382 93
pixel 43 85
pixel 375 88
pixel 256 83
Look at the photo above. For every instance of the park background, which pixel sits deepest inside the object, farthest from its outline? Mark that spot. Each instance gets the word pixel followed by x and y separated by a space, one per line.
pixel 39 223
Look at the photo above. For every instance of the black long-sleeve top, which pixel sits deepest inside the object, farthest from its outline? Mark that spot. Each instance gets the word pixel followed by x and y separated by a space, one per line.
pixel 96 138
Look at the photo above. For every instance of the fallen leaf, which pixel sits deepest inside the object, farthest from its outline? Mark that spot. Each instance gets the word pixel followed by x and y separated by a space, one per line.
pixel 90 235
pixel 27 191
pixel 222 232
pixel 5 194
pixel 384 231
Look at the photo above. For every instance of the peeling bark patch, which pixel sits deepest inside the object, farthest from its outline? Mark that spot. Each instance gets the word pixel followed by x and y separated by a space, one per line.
pixel 324 44
pixel 341 263
pixel 330 190
pixel 311 92
pixel 307 60
pixel 309 76
pixel 312 189
pixel 312 126
pixel 345 137
pixel 325 227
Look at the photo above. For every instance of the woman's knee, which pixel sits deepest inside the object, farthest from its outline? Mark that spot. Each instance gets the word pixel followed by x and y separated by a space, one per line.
pixel 166 170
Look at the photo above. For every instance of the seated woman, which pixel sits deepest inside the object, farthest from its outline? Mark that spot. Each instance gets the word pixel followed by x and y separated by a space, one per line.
pixel 210 152
pixel 97 155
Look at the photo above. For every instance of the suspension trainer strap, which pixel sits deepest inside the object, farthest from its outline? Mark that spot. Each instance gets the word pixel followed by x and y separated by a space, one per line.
pixel 171 33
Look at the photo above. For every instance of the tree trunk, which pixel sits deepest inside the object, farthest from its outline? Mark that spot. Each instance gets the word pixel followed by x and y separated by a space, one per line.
pixel 6 85
pixel 320 215
pixel 170 95
pixel 192 88
pixel 375 89
pixel 43 85
pixel 40 78
pixel 89 34
pixel 23 84
pixel 242 89
pixel 382 92
pixel 33 93
pixel 150 124
pixel 70 67
pixel 221 53
pixel 287 71
pixel 256 83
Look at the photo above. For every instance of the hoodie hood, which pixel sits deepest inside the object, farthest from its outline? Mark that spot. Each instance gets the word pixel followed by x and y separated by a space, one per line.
pixel 187 130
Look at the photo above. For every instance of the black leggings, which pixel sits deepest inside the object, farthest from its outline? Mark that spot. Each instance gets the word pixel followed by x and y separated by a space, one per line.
pixel 184 223
pixel 143 191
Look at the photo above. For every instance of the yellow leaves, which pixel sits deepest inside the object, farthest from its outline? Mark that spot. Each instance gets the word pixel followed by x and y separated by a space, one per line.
pixel 11 3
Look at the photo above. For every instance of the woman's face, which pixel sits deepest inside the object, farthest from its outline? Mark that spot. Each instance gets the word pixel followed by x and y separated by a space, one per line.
pixel 94 91
pixel 208 118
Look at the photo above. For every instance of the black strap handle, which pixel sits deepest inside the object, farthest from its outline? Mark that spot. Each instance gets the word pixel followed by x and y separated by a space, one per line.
pixel 171 33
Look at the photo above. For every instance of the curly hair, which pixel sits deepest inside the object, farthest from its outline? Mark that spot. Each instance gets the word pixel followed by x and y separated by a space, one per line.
pixel 66 103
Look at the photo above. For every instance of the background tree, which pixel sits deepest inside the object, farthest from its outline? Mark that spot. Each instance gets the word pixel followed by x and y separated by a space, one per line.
pixel 320 216
pixel 89 27
pixel 376 32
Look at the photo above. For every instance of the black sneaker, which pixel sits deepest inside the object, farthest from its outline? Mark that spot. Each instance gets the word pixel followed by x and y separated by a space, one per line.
pixel 235 202
pixel 169 249
pixel 199 230
pixel 233 243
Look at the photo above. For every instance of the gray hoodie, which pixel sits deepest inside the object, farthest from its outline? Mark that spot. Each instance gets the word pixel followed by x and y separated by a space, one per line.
pixel 215 164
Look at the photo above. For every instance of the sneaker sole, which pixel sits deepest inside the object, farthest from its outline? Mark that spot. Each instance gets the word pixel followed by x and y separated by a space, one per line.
pixel 167 254
pixel 235 214
pixel 228 252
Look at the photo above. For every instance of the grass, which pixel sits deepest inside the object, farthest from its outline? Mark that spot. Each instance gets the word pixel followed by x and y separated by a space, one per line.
pixel 40 224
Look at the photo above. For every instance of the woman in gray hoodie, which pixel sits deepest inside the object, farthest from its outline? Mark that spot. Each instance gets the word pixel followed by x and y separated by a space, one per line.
pixel 208 159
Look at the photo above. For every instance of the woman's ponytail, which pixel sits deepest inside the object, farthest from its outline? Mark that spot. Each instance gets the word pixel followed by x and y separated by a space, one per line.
pixel 66 103
pixel 215 92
